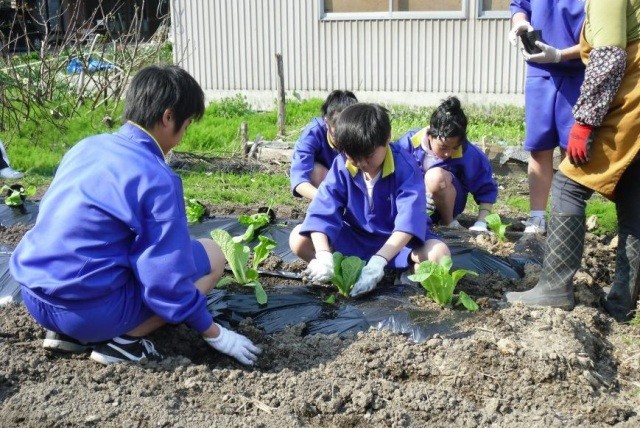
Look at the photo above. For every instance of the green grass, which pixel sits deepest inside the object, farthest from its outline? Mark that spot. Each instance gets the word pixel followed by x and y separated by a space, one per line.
pixel 38 148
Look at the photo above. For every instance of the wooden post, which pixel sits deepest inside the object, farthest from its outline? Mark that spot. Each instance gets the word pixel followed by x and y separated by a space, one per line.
pixel 280 95
pixel 244 139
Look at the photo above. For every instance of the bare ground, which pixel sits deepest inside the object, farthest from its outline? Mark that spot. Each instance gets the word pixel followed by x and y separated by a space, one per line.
pixel 505 366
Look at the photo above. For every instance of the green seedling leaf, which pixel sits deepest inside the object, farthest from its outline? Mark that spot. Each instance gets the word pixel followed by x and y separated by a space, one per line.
pixel 437 281
pixel 258 291
pixel 346 271
pixel 331 300
pixel 465 300
pixel 494 223
pixel 195 210
pixel 254 222
pixel 262 250
pixel 237 255
pixel 16 194
pixel 224 281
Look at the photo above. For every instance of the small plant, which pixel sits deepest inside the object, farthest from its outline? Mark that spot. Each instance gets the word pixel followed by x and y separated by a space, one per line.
pixel 346 271
pixel 440 284
pixel 195 210
pixel 237 255
pixel 16 194
pixel 496 226
pixel 254 223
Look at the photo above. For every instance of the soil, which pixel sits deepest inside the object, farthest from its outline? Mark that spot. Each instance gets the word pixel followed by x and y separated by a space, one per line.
pixel 507 366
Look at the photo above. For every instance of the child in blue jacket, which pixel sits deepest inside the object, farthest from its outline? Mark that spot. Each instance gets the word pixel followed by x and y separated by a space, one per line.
pixel 315 150
pixel 452 166
pixel 110 258
pixel 370 205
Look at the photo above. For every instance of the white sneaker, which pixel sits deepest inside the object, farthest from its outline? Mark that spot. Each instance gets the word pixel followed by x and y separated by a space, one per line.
pixel 454 225
pixel 535 225
pixel 10 173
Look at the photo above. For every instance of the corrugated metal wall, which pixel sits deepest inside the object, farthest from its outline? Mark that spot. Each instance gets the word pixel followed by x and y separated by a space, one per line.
pixel 231 45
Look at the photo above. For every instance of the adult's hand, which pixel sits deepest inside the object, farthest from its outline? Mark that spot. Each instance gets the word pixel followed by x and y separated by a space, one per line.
pixel 548 55
pixel 518 29
pixel 320 269
pixel 235 345
pixel 579 145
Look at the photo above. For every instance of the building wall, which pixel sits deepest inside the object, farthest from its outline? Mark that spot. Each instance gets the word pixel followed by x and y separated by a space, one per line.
pixel 230 45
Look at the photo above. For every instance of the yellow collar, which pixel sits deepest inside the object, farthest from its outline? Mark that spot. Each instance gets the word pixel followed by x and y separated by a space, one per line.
pixel 152 137
pixel 388 166
pixel 421 135
pixel 331 141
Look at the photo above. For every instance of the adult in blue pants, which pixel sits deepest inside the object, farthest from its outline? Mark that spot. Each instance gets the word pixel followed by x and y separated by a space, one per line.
pixel 110 258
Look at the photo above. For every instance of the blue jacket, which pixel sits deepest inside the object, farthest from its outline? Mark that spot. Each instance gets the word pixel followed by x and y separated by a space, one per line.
pixel 114 213
pixel 560 22
pixel 399 201
pixel 468 164
pixel 313 146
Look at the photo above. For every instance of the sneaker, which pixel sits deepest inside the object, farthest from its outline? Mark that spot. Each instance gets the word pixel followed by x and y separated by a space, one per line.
pixel 535 225
pixel 137 350
pixel 61 342
pixel 454 225
pixel 10 173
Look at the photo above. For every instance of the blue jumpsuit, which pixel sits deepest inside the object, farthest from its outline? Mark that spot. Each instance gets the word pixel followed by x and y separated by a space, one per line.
pixel 110 246
pixel 551 90
pixel 341 209
pixel 313 146
pixel 470 168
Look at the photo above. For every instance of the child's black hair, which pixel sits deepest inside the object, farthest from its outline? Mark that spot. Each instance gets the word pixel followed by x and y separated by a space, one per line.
pixel 157 88
pixel 448 120
pixel 362 128
pixel 334 104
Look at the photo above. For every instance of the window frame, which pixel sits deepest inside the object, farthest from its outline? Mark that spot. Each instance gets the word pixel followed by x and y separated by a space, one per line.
pixel 492 14
pixel 463 13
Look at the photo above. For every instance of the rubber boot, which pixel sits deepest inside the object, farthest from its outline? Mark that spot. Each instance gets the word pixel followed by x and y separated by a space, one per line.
pixel 621 300
pixel 562 258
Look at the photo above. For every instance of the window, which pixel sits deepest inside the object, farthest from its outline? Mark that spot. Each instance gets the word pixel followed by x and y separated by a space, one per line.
pixel 494 8
pixel 393 9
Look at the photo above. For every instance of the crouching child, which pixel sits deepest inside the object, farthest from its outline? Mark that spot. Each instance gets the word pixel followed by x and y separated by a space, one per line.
pixel 370 205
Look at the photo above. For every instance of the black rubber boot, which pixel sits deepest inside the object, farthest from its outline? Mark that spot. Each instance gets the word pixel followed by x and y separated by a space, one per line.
pixel 562 258
pixel 621 300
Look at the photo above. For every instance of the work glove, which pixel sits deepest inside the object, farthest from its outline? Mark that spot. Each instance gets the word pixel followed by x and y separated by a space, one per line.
pixel 234 345
pixel 320 269
pixel 579 146
pixel 479 226
pixel 548 55
pixel 371 274
pixel 431 205
pixel 519 28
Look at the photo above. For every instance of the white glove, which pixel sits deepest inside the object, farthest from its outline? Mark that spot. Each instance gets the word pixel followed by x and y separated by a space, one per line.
pixel 234 345
pixel 431 205
pixel 320 269
pixel 519 28
pixel 370 275
pixel 479 226
pixel 548 55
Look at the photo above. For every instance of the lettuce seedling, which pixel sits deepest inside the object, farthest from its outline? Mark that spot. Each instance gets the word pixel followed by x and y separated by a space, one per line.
pixel 237 255
pixel 346 271
pixel 254 222
pixel 496 226
pixel 16 194
pixel 195 210
pixel 440 284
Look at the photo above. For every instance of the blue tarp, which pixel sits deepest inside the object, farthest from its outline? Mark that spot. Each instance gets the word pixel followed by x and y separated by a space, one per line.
pixel 76 65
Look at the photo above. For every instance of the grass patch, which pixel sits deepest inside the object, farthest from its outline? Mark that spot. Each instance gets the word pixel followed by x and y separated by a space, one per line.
pixel 38 148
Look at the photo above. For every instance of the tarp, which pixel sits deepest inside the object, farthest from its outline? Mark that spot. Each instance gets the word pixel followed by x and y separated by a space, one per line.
pixel 387 307
pixel 76 66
